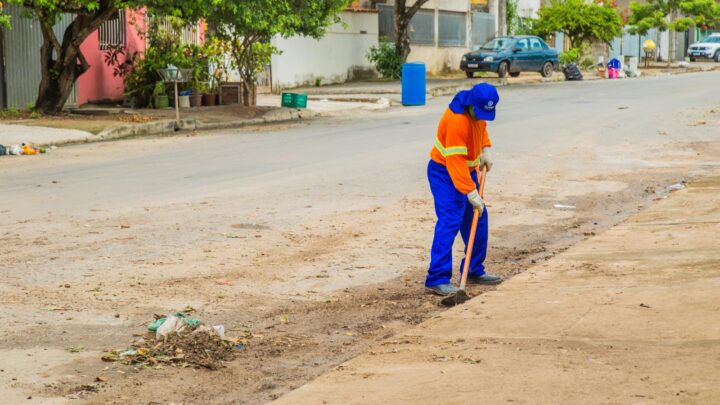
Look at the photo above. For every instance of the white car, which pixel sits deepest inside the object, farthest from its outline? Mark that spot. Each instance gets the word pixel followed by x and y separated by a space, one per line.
pixel 708 48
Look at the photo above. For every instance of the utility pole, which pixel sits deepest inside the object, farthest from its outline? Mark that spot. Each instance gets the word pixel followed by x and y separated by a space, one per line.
pixel 502 17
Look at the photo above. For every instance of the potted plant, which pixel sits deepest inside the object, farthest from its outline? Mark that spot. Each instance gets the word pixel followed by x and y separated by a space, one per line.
pixel 160 97
pixel 183 95
pixel 210 95
pixel 197 94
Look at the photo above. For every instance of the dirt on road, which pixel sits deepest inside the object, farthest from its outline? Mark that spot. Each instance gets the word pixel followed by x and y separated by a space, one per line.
pixel 305 290
pixel 625 317
pixel 84 286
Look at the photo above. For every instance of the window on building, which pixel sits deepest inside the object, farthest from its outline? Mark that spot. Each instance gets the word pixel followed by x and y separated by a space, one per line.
pixel 422 27
pixel 452 28
pixel 386 26
pixel 112 33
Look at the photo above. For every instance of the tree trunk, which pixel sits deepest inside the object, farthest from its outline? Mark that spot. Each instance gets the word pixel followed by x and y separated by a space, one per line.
pixel 672 38
pixel 402 38
pixel 502 17
pixel 249 98
pixel 57 80
pixel 62 63
pixel 402 17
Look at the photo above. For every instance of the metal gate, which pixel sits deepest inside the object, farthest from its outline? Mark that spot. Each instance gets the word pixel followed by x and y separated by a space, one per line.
pixel 21 52
pixel 483 28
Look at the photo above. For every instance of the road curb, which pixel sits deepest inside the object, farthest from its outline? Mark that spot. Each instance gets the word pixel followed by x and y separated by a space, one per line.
pixel 162 127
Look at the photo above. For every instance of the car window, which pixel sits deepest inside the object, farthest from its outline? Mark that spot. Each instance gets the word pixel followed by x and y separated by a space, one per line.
pixel 535 44
pixel 497 44
pixel 522 44
pixel 712 39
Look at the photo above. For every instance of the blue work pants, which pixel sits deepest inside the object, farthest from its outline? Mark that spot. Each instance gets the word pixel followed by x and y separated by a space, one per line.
pixel 454 213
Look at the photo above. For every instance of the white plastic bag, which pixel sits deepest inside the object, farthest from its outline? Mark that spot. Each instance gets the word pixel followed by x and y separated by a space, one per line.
pixel 171 324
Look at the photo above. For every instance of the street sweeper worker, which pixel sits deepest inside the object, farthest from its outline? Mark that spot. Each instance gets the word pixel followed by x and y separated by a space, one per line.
pixel 462 144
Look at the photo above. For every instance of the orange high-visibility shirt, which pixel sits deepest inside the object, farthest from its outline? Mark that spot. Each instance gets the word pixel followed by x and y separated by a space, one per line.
pixel 460 140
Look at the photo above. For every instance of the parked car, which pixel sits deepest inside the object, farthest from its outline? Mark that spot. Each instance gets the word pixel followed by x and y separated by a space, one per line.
pixel 707 48
pixel 511 55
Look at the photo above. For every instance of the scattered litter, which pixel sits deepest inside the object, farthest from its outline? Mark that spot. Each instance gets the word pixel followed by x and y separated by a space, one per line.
pixel 564 207
pixel 697 123
pixel 623 108
pixel 22 149
pixel 74 349
pixel 160 320
pixel 644 305
pixel 172 324
pixel 179 341
pixel 676 187
pixel 101 379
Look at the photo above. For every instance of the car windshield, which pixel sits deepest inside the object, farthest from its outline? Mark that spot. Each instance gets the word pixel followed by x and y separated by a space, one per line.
pixel 713 39
pixel 497 44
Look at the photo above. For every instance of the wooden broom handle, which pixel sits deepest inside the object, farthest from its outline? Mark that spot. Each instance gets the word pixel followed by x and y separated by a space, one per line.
pixel 473 229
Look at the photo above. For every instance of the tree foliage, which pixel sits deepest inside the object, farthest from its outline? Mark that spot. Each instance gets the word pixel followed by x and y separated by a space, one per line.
pixel 661 15
pixel 4 19
pixel 517 25
pixel 61 60
pixel 581 22
pixel 247 27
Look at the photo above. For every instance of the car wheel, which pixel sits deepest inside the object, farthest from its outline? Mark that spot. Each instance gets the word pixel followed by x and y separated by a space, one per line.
pixel 547 69
pixel 514 74
pixel 469 74
pixel 692 59
pixel 717 56
pixel 503 69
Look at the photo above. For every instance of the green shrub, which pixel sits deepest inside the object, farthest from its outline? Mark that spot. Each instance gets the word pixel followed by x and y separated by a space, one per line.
pixel 386 61
pixel 160 89
pixel 571 56
pixel 10 113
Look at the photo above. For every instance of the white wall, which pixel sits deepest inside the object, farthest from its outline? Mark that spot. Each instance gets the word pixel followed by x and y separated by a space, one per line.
pixel 437 59
pixel 440 58
pixel 528 8
pixel 335 58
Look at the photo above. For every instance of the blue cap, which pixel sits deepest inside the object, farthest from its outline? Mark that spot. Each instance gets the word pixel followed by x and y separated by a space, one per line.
pixel 482 97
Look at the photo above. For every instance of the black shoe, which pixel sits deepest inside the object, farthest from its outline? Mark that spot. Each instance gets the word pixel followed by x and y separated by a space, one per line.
pixel 485 279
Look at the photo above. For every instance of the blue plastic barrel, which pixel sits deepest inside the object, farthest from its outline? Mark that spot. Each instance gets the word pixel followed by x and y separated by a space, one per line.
pixel 413 84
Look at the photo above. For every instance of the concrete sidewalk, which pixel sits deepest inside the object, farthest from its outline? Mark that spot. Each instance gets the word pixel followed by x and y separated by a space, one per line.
pixel 18 134
pixel 628 316
pixel 29 131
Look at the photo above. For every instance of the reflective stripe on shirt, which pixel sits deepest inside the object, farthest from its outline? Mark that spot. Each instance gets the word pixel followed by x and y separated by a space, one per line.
pixel 453 150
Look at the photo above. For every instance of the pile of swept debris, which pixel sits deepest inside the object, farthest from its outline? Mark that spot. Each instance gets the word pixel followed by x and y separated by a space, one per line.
pixel 179 341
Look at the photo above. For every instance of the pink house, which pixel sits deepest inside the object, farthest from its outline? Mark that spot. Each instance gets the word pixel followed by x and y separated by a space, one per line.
pixel 126 29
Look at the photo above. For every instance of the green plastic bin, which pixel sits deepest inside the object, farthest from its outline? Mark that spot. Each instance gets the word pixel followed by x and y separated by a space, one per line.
pixel 294 100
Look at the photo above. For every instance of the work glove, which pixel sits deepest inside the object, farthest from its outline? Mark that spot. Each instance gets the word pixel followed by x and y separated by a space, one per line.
pixel 485 159
pixel 476 201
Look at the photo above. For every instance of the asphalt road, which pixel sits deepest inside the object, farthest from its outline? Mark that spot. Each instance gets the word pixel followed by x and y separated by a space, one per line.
pixel 377 153
pixel 246 226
